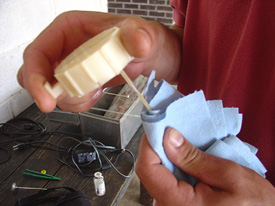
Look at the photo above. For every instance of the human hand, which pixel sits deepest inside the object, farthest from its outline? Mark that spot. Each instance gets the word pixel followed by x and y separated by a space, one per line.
pixel 222 182
pixel 141 39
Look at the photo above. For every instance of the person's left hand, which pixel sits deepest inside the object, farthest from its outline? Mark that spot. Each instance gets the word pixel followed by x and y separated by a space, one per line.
pixel 222 182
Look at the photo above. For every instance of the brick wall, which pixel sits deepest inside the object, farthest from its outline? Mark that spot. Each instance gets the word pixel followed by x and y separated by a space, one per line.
pixel 157 10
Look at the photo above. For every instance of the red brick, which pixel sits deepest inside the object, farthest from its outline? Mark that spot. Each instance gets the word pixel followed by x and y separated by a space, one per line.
pixel 157 1
pixel 148 7
pixel 131 6
pixel 169 15
pixel 140 1
pixel 111 10
pixel 140 12
pixel 115 5
pixel 124 11
pixel 128 1
pixel 164 8
pixel 157 14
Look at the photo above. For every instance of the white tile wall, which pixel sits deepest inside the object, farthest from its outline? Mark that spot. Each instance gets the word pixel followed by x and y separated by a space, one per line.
pixel 5 112
pixel 21 21
pixel 91 5
pixel 22 100
pixel 11 60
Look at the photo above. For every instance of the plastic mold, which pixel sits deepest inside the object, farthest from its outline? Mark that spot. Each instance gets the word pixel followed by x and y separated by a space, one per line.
pixel 90 65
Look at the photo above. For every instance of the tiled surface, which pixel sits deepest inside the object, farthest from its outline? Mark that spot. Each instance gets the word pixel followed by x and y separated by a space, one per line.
pixel 23 20
pixel 20 102
pixel 15 105
pixel 5 113
pixel 88 5
pixel 11 60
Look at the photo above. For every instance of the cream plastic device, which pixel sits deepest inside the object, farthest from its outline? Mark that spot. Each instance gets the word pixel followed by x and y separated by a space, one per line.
pixel 90 65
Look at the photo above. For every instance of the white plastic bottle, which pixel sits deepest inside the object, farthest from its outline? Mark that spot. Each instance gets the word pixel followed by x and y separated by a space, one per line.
pixel 99 184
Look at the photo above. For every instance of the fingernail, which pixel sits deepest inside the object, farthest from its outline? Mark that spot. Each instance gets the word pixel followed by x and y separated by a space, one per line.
pixel 175 138
pixel 97 94
pixel 146 36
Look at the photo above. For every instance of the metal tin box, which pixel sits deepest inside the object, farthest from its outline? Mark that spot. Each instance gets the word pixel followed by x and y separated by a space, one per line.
pixel 111 130
pixel 113 120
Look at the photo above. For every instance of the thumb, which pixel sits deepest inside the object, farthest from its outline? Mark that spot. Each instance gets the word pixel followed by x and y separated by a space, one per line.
pixel 137 36
pixel 211 170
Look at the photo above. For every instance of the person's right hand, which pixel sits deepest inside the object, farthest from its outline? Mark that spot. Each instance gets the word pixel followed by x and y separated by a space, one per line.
pixel 148 42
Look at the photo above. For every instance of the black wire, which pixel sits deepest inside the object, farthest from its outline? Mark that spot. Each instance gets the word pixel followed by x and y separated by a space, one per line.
pixel 39 144
pixel 29 125
pixel 7 156
pixel 112 165
pixel 68 158
pixel 70 155
pixel 24 131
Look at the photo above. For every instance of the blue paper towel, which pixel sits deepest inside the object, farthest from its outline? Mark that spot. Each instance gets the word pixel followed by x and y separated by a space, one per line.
pixel 206 124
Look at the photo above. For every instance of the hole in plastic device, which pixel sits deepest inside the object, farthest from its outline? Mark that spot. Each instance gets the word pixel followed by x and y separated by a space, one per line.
pixel 90 65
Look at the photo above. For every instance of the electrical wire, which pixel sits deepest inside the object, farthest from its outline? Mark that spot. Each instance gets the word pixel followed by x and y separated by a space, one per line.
pixel 101 158
pixel 7 157
pixel 112 165
pixel 21 146
pixel 24 131
pixel 20 130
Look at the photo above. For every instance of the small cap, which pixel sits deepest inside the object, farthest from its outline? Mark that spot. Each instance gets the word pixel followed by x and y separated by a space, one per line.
pixel 98 174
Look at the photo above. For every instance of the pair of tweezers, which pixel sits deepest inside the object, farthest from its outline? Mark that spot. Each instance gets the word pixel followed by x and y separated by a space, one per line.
pixel 40 175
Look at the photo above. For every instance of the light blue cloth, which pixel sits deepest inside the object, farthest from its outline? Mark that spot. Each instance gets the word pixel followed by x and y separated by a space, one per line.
pixel 206 124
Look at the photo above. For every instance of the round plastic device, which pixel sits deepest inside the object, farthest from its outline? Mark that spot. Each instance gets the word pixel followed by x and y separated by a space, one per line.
pixel 90 65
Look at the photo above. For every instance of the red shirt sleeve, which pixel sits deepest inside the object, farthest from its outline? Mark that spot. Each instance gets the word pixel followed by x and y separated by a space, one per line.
pixel 179 11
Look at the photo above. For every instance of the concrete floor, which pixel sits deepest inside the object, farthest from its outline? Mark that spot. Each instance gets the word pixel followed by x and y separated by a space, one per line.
pixel 131 196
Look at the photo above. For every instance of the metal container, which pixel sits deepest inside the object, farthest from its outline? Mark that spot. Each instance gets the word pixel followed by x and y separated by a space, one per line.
pixel 104 121
pixel 112 131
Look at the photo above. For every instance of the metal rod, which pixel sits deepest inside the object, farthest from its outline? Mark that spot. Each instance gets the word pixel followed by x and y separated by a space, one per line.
pixel 14 187
pixel 119 95
pixel 105 110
